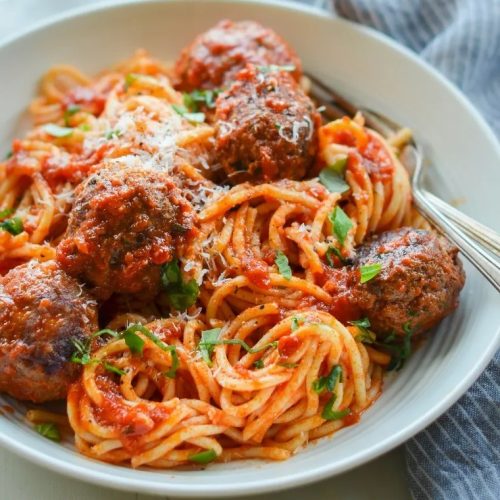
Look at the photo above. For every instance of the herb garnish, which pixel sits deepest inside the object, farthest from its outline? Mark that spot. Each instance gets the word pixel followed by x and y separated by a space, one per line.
pixel 204 457
pixel 69 112
pixel 56 130
pixel 335 251
pixel 49 430
pixel 295 324
pixel 400 351
pixel 190 117
pixel 281 261
pixel 13 226
pixel 206 349
pixel 258 364
pixel 333 181
pixel 5 212
pixel 113 133
pixel 180 294
pixel 341 223
pixel 329 382
pixel 193 100
pixel 330 414
pixel 369 271
pixel 365 335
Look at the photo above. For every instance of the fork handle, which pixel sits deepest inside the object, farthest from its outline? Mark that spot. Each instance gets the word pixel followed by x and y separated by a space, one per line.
pixel 489 267
pixel 488 237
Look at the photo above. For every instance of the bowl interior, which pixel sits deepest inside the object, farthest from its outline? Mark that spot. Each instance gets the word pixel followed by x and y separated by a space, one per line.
pixel 376 73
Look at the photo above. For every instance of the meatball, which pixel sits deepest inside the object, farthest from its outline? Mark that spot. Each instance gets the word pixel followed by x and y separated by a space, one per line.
pixel 42 312
pixel 266 126
pixel 214 57
pixel 418 285
pixel 125 223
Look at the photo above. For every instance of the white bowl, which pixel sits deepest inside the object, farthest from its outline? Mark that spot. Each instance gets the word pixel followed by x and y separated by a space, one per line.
pixel 378 73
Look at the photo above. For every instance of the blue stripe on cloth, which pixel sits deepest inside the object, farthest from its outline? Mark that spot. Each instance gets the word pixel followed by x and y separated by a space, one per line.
pixel 458 456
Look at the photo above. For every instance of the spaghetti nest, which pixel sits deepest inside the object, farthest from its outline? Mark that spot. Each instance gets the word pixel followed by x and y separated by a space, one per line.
pixel 259 365
pixel 261 386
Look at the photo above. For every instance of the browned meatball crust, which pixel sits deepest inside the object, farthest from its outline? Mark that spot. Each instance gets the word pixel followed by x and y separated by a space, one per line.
pixel 214 57
pixel 125 223
pixel 266 126
pixel 42 311
pixel 418 285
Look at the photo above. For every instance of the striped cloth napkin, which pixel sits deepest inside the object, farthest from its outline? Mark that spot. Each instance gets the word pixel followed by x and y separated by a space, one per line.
pixel 458 456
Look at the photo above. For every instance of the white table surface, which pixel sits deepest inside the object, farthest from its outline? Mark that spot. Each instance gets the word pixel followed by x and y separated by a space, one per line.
pixel 19 479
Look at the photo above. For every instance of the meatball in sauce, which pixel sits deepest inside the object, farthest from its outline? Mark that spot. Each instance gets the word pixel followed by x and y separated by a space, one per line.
pixel 125 223
pixel 212 60
pixel 42 312
pixel 266 126
pixel 419 282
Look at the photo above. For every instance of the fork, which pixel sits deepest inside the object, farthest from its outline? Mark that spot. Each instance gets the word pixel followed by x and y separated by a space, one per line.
pixel 466 233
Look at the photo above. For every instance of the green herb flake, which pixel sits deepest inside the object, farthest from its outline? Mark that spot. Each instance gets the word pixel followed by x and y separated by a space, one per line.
pixel 341 224
pixel 113 133
pixel 365 335
pixel 190 117
pixel 13 226
pixel 180 294
pixel 71 110
pixel 333 181
pixel 204 457
pixel 133 341
pixel 206 349
pixel 334 251
pixel 330 414
pixel 8 155
pixel 85 127
pixel 6 212
pixel 258 364
pixel 56 130
pixel 400 351
pixel 294 324
pixel 49 431
pixel 112 368
pixel 369 271
pixel 329 382
pixel 193 100
pixel 252 350
pixel 281 261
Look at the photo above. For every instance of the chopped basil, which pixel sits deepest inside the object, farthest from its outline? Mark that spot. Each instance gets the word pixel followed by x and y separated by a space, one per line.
pixel 288 365
pixel 85 127
pixel 329 414
pixel 57 131
pixel 365 335
pixel 205 343
pixel 204 347
pixel 112 368
pixel 130 79
pixel 13 226
pixel 259 364
pixel 5 212
pixel 295 323
pixel 335 251
pixel 333 181
pixel 339 165
pixel 283 267
pixel 113 133
pixel 274 67
pixel 341 223
pixel 329 382
pixel 180 294
pixel 194 99
pixel 190 117
pixel 204 457
pixel 399 351
pixel 49 431
pixel 133 341
pixel 369 271
pixel 8 154
pixel 361 323
pixel 70 111
pixel 82 352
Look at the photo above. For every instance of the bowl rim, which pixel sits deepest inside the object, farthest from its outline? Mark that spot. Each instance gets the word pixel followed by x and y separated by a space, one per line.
pixel 138 484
